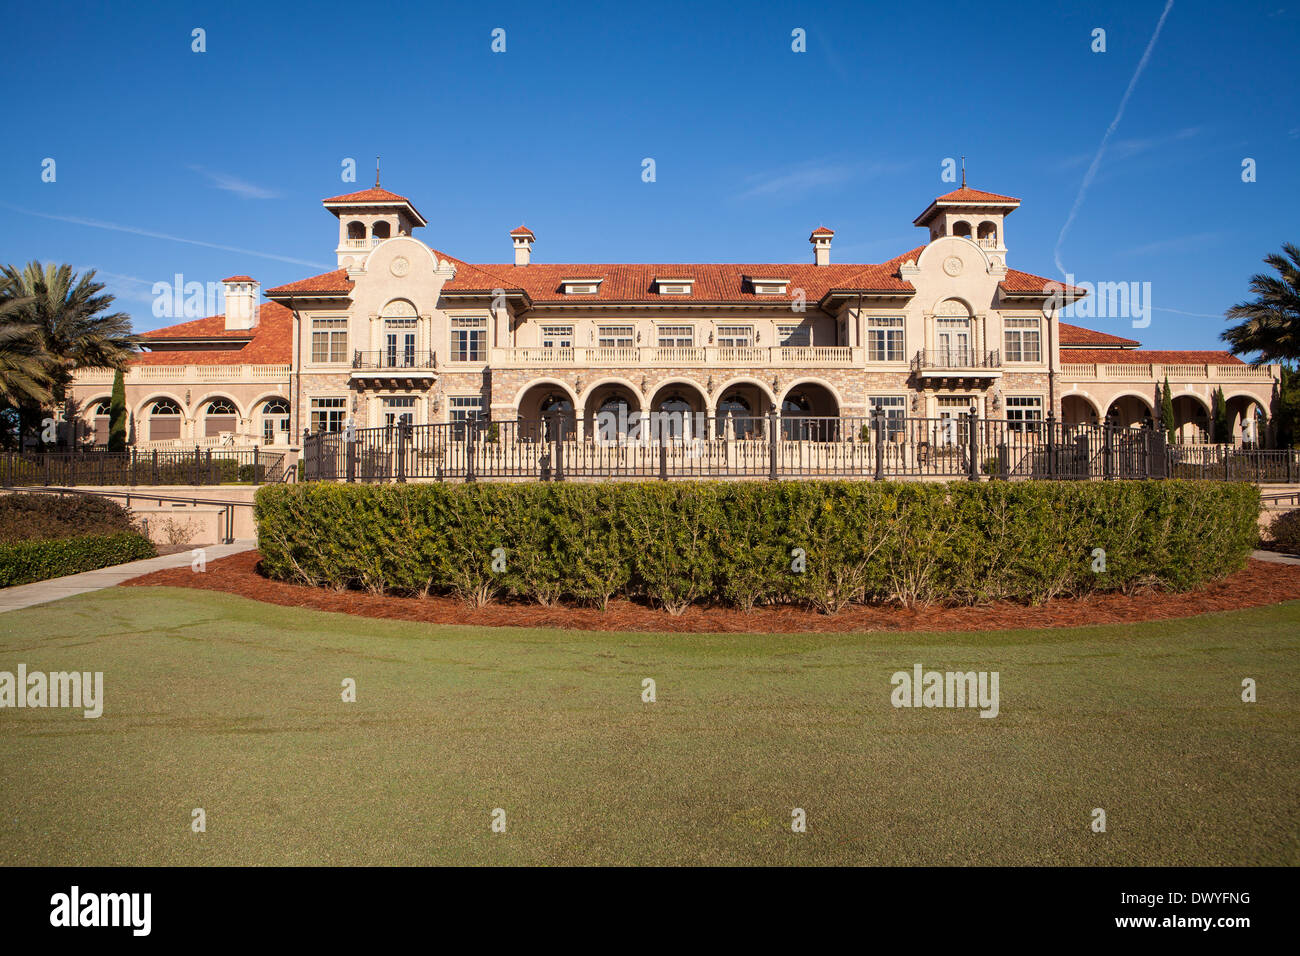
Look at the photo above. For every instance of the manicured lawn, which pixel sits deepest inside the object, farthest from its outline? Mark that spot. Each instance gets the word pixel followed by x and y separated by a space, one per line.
pixel 218 702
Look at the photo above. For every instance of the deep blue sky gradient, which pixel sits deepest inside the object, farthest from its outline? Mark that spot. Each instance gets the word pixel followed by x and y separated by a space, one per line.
pixel 755 145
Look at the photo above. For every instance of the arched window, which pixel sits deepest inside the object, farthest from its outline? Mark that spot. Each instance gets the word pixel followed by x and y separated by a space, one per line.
pixel 381 230
pixel 989 230
pixel 961 228
pixel 400 319
pixel 219 415
pixel 99 418
pixel 164 420
pixel 356 229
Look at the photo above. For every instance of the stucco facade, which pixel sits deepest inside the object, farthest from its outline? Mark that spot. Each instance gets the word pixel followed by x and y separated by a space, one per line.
pixel 402 331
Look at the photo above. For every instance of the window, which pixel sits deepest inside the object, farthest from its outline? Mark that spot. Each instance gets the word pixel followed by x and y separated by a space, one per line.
pixel 894 408
pixel 581 286
pixel 735 336
pixel 329 340
pixel 614 337
pixel 674 286
pixel 468 338
pixel 462 409
pixel 328 414
pixel 885 338
pixel 1021 339
pixel 399 343
pixel 676 336
pixel 794 336
pixel 1024 412
pixel 399 409
pixel 557 336
pixel 952 336
pixel 768 286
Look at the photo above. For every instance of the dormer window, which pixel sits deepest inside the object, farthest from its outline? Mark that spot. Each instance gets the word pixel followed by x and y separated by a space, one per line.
pixel 769 286
pixel 581 286
pixel 674 286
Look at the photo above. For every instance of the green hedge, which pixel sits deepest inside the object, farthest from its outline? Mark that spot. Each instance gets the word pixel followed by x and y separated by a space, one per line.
pixel 22 562
pixel 677 544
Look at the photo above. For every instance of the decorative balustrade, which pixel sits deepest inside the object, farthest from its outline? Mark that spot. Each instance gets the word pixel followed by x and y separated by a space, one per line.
pixel 653 356
pixel 180 374
pixel 1148 372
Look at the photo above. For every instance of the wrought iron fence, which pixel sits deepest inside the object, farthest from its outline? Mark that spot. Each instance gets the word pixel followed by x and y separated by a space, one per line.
pixel 202 466
pixel 667 446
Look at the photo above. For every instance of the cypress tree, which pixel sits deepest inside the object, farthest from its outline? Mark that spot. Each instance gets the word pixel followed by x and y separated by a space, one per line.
pixel 1167 410
pixel 117 414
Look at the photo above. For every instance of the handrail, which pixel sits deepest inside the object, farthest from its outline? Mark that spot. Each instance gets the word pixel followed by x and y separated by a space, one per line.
pixel 228 506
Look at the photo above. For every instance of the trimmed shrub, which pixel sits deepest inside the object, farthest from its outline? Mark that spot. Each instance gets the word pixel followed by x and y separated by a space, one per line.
pixel 823 544
pixel 22 562
pixel 29 517
pixel 1284 532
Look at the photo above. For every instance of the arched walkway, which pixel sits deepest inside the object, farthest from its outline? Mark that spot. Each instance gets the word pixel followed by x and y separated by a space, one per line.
pixel 1079 410
pixel 1130 411
pixel 808 413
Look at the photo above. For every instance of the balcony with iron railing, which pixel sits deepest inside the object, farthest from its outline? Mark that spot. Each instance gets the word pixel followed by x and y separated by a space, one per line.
pixel 958 361
pixel 394 360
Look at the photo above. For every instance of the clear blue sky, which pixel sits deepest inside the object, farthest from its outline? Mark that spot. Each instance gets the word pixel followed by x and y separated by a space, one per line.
pixel 755 145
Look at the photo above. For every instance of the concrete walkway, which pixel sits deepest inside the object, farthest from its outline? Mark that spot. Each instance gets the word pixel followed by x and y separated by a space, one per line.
pixel 42 592
pixel 1272 557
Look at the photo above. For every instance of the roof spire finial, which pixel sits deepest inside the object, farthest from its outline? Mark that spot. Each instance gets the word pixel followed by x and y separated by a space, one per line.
pixel 963 173
pixel 377 173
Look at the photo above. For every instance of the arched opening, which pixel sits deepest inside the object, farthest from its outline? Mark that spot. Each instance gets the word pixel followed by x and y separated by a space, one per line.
pixel 356 229
pixel 273 422
pixel 99 416
pixel 678 413
pixel 1191 421
pixel 1129 411
pixel 542 409
pixel 1077 410
pixel 961 228
pixel 988 232
pixel 164 420
pixel 809 412
pixel 612 412
pixel 381 230
pixel 1247 418
pixel 736 416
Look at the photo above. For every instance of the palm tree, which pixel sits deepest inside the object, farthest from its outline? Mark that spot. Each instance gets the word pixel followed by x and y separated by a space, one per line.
pixel 69 318
pixel 1270 323
pixel 23 365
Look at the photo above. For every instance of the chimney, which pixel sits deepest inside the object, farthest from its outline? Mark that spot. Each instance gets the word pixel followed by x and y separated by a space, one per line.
pixel 821 242
pixel 242 293
pixel 523 238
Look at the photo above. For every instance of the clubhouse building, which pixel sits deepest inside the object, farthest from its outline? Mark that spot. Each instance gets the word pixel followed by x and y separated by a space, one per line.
pixel 401 331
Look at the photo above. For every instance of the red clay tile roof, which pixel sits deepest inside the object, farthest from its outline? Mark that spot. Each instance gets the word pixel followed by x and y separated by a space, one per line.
pixel 369 195
pixel 375 197
pixel 271 342
pixel 712 282
pixel 522 231
pixel 1026 283
pixel 327 283
pixel 822 231
pixel 239 279
pixel 1144 356
pixel 966 194
pixel 1076 336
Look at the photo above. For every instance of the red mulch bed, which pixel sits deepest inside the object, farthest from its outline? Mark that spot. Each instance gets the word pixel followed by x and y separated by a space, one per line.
pixel 1259 584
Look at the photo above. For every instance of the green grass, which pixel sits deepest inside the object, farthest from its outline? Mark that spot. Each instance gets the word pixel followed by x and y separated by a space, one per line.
pixel 214 701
